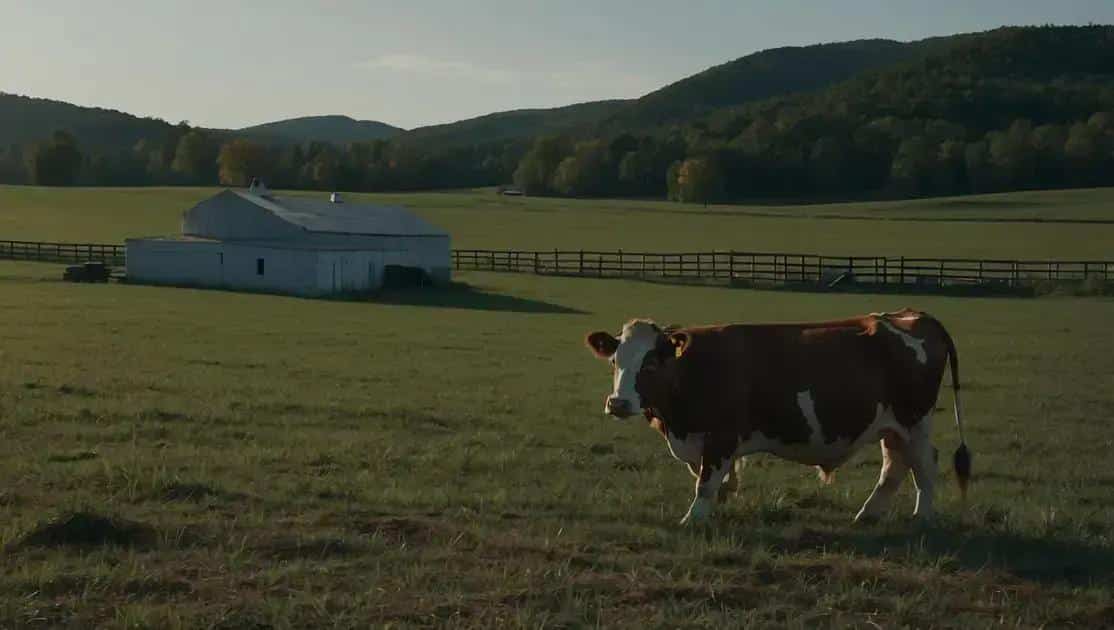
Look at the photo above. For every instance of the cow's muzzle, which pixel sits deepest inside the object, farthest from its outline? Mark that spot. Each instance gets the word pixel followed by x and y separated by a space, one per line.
pixel 618 407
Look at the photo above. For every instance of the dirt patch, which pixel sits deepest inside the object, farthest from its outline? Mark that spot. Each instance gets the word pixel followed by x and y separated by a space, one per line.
pixel 400 530
pixel 75 456
pixel 87 529
pixel 293 548
pixel 161 415
pixel 189 491
pixel 76 390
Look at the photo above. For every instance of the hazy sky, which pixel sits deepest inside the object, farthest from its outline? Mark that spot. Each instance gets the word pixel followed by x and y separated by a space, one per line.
pixel 230 64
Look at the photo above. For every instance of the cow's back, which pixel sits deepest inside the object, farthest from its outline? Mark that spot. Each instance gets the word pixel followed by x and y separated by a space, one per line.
pixel 803 383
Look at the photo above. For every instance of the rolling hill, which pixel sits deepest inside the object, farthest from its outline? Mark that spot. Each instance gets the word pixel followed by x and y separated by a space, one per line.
pixel 511 125
pixel 336 129
pixel 764 74
pixel 25 120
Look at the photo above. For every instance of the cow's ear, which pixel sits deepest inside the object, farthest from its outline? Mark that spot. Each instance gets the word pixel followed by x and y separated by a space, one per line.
pixel 681 342
pixel 602 344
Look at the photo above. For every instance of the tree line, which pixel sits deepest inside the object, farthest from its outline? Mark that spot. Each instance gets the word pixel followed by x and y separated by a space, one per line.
pixel 993 114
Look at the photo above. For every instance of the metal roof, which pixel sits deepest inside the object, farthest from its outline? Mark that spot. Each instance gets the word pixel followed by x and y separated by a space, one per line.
pixel 321 215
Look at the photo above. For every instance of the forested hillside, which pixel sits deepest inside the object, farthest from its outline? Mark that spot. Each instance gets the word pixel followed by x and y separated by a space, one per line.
pixel 1006 109
pixel 336 129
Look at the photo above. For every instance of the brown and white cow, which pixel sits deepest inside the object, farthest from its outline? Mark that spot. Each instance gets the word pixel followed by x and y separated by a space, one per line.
pixel 808 392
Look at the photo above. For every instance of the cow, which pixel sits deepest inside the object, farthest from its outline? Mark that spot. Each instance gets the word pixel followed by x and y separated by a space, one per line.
pixel 812 393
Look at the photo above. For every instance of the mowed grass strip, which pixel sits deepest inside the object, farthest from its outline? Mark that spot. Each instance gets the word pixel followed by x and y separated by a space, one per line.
pixel 183 458
pixel 978 227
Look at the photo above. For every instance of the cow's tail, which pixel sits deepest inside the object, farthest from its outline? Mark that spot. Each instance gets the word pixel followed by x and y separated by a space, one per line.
pixel 961 461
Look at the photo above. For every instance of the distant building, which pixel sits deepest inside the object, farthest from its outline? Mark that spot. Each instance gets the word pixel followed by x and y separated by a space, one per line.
pixel 299 245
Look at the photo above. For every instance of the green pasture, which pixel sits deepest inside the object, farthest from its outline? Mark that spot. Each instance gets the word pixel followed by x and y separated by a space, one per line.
pixel 439 458
pixel 1074 224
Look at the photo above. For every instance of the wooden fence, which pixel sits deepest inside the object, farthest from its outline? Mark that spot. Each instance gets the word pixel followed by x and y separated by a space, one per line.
pixel 777 268
pixel 717 266
pixel 62 252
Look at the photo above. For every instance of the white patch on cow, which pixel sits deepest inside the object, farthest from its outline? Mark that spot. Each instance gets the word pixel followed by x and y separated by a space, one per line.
pixel 638 338
pixel 916 344
pixel 687 450
pixel 828 454
pixel 808 408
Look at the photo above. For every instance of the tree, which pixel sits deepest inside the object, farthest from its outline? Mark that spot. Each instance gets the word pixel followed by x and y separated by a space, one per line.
pixel 699 181
pixel 55 162
pixel 195 158
pixel 535 171
pixel 1012 156
pixel 976 161
pixel 913 165
pixel 1083 152
pixel 240 160
pixel 585 172
pixel 672 183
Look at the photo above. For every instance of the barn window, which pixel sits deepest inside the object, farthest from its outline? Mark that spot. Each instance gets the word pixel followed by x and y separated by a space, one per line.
pixel 258 266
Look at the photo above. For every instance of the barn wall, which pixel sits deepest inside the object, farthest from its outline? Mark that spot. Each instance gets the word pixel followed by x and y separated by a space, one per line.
pixel 284 270
pixel 349 271
pixel 154 261
pixel 426 252
pixel 228 216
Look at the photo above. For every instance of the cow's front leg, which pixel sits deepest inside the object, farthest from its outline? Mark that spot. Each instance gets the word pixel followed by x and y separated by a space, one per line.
pixel 715 463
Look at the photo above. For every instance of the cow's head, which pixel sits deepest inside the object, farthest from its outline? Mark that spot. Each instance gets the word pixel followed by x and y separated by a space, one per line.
pixel 638 356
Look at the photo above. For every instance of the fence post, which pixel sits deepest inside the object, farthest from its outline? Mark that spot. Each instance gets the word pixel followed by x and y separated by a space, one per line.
pixel 731 267
pixel 902 276
pixel 535 263
pixel 581 272
pixel 643 275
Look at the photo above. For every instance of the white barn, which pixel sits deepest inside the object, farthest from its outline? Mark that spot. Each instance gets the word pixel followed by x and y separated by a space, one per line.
pixel 304 246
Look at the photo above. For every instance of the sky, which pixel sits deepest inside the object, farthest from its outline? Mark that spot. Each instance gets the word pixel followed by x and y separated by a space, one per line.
pixel 231 64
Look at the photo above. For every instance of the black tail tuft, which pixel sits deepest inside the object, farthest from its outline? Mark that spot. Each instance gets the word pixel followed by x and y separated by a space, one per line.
pixel 962 463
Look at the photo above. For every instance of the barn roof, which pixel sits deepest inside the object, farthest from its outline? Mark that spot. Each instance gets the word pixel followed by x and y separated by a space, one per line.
pixel 321 215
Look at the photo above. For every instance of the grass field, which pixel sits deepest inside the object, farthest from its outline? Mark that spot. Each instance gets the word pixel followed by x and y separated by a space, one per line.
pixel 440 458
pixel 991 226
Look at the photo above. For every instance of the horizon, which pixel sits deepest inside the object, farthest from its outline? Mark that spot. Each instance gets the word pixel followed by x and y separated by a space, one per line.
pixel 435 64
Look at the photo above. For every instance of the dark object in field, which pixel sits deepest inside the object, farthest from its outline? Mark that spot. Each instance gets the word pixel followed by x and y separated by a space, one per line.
pixel 86 529
pixel 399 277
pixel 92 271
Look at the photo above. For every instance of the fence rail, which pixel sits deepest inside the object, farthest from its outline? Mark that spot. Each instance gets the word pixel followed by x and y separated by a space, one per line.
pixel 783 268
pixel 62 252
pixel 718 266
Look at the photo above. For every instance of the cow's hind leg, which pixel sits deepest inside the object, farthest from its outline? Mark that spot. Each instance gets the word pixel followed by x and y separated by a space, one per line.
pixel 730 486
pixel 894 469
pixel 921 455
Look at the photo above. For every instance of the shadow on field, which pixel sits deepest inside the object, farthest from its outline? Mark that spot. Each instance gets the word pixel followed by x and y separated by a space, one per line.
pixel 968 546
pixel 1031 558
pixel 463 296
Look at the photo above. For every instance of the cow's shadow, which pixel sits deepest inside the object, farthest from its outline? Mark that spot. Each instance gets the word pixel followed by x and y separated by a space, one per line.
pixel 968 544
pixel 463 296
